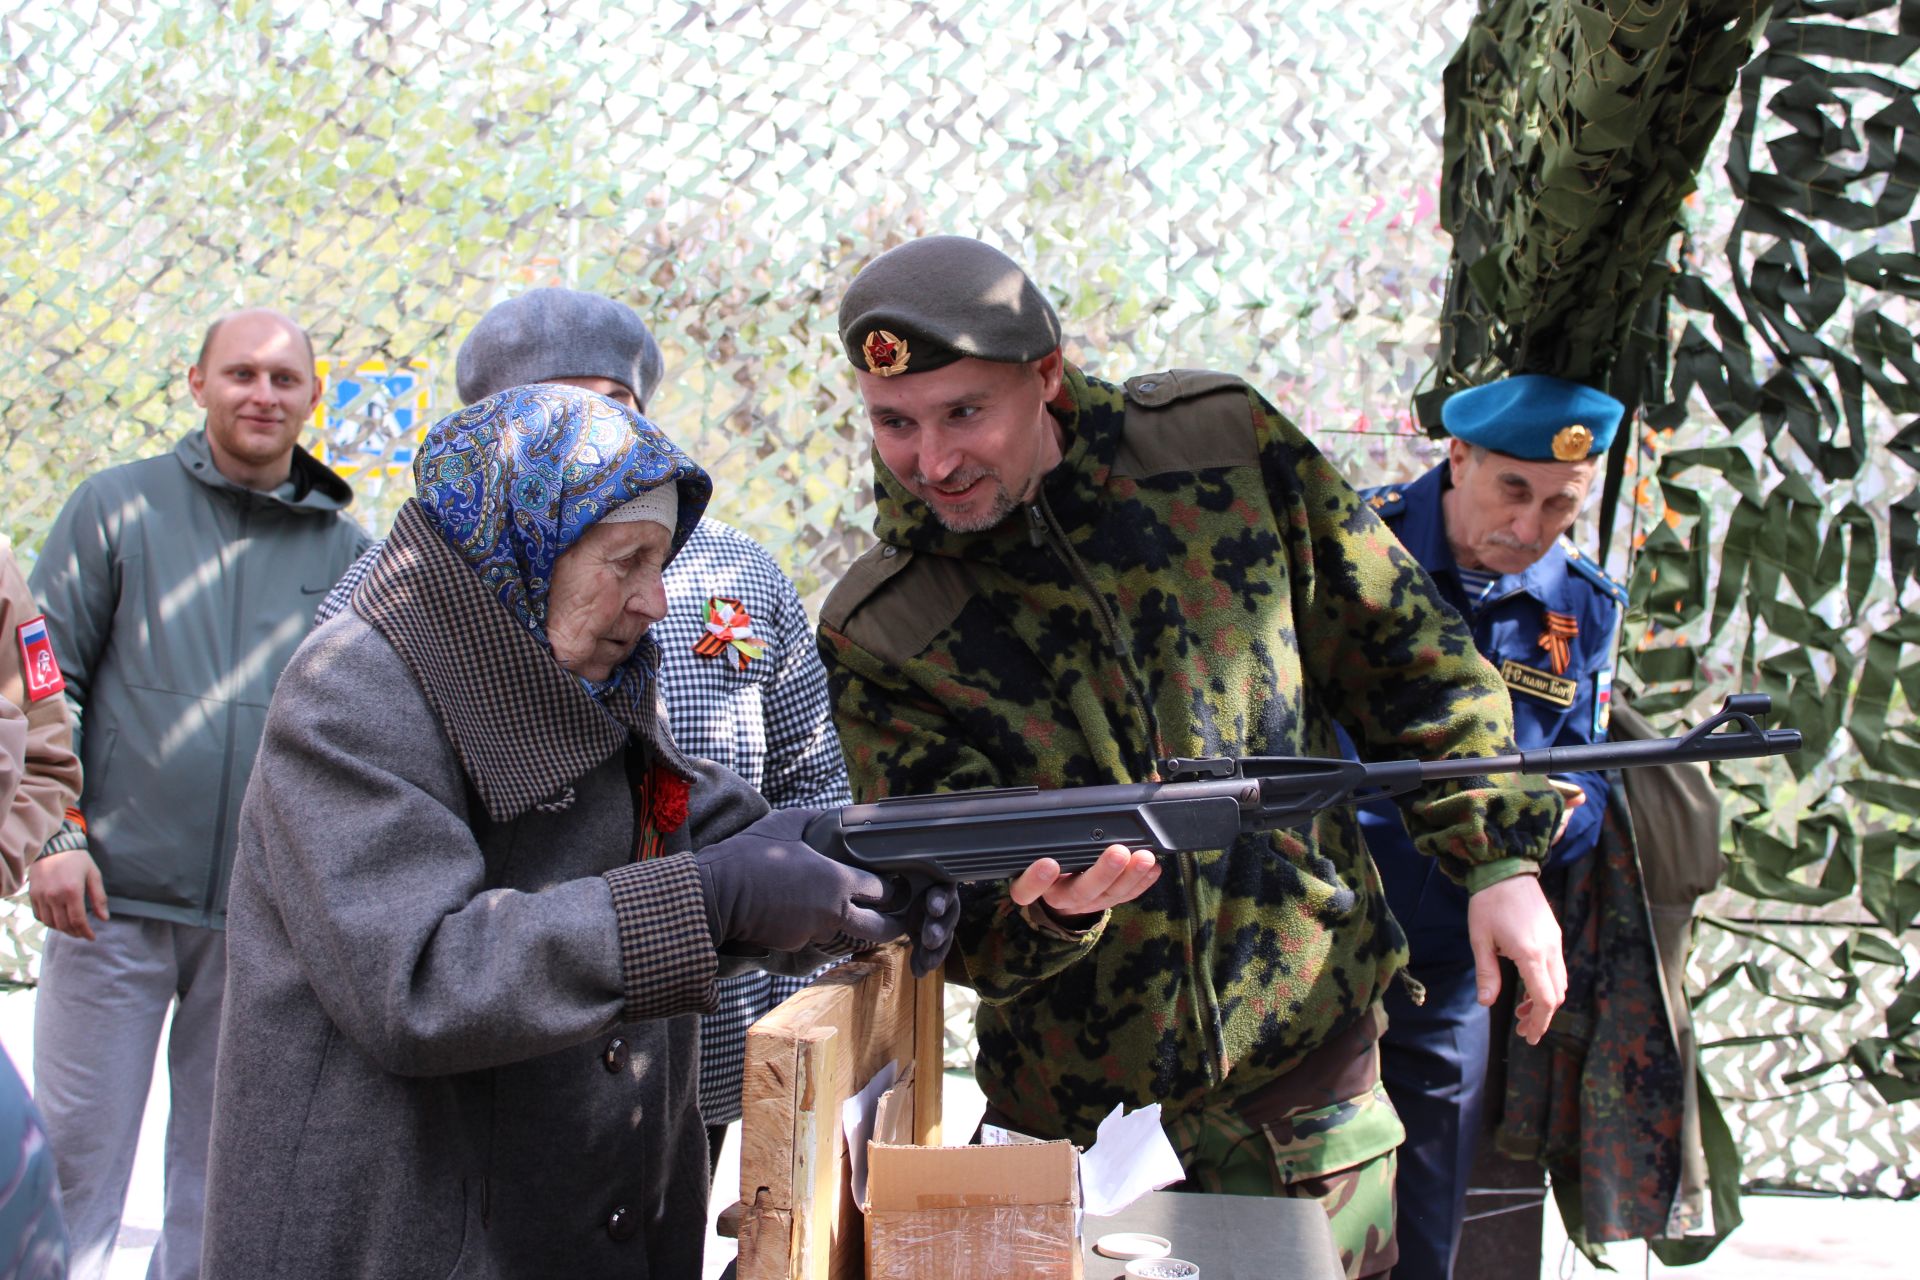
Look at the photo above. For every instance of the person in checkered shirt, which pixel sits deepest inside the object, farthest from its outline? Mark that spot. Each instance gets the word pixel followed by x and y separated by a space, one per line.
pixel 741 676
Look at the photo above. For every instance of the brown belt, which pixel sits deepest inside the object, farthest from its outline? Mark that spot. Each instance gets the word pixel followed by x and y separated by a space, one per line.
pixel 1345 1066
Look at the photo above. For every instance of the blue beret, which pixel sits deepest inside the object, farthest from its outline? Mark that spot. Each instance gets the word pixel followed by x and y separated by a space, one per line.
pixel 1534 417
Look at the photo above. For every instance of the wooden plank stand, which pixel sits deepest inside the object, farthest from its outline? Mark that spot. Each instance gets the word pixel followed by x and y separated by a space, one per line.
pixel 796 1211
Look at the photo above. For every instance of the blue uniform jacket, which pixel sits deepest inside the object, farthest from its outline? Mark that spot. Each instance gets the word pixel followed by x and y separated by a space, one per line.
pixel 1507 622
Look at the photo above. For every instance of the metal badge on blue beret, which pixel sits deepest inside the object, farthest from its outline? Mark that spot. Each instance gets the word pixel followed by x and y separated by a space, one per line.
pixel 1534 417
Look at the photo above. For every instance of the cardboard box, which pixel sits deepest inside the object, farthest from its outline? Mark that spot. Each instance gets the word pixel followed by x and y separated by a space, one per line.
pixel 961 1212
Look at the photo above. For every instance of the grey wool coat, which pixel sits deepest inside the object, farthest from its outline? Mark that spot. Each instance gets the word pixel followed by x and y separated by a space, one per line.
pixel 459 1035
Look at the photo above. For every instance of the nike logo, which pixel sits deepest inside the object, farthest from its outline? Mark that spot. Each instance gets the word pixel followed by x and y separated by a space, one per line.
pixel 314 591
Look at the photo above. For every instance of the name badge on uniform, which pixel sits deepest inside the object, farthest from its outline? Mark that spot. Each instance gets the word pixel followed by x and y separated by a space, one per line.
pixel 37 665
pixel 1544 685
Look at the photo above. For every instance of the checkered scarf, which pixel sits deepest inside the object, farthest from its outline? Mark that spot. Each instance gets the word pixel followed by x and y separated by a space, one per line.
pixel 523 728
pixel 512 481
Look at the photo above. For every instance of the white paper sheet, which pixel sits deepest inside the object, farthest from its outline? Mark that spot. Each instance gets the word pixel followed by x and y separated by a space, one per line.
pixel 1130 1156
pixel 856 1121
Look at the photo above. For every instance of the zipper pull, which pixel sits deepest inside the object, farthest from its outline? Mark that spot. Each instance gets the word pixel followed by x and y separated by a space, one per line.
pixel 1036 525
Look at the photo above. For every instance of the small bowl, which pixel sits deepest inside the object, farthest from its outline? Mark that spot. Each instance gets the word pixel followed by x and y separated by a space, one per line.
pixel 1127 1245
pixel 1163 1269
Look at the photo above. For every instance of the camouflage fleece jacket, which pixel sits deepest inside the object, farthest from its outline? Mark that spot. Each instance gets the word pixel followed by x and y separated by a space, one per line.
pixel 1193 579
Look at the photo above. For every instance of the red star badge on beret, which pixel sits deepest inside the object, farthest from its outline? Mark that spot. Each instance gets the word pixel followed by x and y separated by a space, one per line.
pixel 886 353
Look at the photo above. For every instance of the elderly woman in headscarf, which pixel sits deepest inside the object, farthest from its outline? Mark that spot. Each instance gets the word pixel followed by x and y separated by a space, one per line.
pixel 479 894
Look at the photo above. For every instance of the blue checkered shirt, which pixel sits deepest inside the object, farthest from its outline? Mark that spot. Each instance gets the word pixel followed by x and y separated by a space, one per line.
pixel 771 723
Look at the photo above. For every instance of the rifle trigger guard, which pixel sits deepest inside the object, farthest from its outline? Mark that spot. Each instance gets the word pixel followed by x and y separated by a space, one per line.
pixel 904 888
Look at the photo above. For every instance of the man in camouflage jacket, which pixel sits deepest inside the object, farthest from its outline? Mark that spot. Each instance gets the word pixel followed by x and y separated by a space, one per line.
pixel 1076 580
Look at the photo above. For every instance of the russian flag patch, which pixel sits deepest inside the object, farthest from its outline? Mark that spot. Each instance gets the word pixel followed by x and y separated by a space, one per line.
pixel 1602 703
pixel 37 663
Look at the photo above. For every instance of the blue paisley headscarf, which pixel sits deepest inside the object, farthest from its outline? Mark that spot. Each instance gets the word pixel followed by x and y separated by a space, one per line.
pixel 513 480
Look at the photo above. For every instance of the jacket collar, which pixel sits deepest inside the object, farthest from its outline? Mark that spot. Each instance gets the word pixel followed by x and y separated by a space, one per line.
pixel 1091 415
pixel 316 488
pixel 521 724
pixel 1423 531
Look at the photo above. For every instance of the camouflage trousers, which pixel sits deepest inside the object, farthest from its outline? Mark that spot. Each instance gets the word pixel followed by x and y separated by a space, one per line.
pixel 1293 1142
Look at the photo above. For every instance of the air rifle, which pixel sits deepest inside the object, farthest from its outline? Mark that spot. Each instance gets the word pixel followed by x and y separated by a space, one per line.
pixel 995 833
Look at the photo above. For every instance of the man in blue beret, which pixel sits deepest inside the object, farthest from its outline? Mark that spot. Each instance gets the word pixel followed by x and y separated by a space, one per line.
pixel 1488 523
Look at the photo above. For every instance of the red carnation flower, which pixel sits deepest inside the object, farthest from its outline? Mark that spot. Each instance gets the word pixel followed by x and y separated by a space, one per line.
pixel 669 800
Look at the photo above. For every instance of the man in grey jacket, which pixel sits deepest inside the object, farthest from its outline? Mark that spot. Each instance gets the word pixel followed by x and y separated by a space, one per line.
pixel 176 589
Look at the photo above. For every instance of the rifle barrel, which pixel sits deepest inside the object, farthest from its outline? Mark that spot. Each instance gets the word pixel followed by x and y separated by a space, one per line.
pixel 1696 747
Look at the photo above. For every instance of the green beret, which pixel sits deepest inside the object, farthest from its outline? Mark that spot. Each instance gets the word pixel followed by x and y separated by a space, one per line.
pixel 1534 417
pixel 929 302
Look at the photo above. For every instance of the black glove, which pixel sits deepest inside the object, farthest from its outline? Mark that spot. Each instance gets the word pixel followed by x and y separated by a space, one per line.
pixel 766 887
pixel 930 924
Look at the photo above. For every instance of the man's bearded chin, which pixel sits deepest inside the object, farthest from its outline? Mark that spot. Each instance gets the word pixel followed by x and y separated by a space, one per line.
pixel 999 509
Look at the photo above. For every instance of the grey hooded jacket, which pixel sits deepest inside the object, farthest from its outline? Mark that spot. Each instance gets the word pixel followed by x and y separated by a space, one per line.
pixel 175 597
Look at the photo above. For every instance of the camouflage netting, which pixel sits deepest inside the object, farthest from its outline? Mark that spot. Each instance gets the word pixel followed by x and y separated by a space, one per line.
pixel 1574 132
pixel 1772 541
pixel 1778 550
pixel 1243 193
pixel 1256 192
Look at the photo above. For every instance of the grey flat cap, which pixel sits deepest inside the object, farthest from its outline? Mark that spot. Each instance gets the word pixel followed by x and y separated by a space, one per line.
pixel 558 333
pixel 930 302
